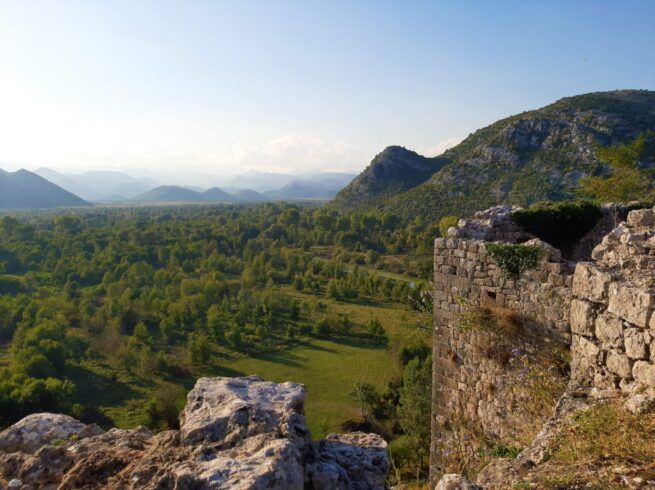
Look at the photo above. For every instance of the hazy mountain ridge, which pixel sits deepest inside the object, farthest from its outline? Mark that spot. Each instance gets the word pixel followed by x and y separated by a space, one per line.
pixel 112 186
pixel 532 156
pixel 26 190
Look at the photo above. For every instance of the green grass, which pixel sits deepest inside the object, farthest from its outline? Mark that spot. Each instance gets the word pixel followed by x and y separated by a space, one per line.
pixel 328 367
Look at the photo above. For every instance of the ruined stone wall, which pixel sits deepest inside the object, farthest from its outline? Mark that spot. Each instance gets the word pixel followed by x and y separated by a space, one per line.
pixel 602 308
pixel 612 311
pixel 466 383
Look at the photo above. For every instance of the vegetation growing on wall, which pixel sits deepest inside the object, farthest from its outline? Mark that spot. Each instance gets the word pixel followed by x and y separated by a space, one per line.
pixel 561 224
pixel 513 259
pixel 446 223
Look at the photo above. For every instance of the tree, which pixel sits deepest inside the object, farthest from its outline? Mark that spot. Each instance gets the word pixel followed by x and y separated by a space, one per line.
pixel 198 347
pixel 332 290
pixel 322 327
pixel 366 396
pixel 627 180
pixel 414 408
pixel 447 222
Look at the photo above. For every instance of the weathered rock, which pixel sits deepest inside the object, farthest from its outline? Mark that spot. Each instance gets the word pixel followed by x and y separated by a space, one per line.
pixel 619 364
pixel 609 330
pixel 590 283
pixel 236 433
pixel 349 461
pixel 641 217
pixel 640 403
pixel 632 303
pixel 636 343
pixel 40 429
pixel 644 372
pixel 582 318
pixel 453 481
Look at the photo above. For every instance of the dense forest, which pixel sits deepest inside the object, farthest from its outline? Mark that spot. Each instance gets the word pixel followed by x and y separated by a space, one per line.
pixel 111 314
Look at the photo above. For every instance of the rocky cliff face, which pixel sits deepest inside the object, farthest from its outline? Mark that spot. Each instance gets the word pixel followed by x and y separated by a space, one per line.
pixel 236 433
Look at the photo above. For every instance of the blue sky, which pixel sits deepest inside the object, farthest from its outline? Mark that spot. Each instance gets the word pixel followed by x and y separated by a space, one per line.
pixel 224 87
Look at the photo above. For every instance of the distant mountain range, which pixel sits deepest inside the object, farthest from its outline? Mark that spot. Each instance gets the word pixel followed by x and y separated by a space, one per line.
pixel 532 156
pixel 99 185
pixel 111 186
pixel 26 190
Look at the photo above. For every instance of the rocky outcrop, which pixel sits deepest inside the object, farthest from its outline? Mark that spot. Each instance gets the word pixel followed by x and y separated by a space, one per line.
pixel 236 433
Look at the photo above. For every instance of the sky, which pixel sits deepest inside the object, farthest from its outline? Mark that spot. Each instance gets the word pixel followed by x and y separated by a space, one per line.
pixel 224 87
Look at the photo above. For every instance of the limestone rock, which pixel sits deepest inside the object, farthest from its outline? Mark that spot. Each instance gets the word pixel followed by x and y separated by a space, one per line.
pixel 619 364
pixel 453 481
pixel 236 433
pixel 640 403
pixel 582 318
pixel 644 373
pixel 636 343
pixel 349 461
pixel 590 283
pixel 40 429
pixel 641 217
pixel 632 303
pixel 609 330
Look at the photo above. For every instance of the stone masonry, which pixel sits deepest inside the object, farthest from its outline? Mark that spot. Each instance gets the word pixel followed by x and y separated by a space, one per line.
pixel 602 309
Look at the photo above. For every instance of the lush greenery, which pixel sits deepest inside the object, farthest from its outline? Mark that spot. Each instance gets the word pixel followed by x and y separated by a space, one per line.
pixel 629 179
pixel 561 224
pixel 512 259
pixel 529 157
pixel 111 314
pixel 446 223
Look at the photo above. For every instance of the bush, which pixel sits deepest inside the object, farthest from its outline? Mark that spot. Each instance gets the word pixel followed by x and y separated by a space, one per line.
pixel 561 224
pixel 447 222
pixel 514 259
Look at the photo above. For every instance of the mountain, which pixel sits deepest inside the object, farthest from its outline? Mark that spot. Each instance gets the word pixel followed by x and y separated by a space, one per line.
pixel 394 170
pixel 171 193
pixel 532 156
pixel 99 185
pixel 303 190
pixel 217 194
pixel 268 181
pixel 26 190
pixel 248 195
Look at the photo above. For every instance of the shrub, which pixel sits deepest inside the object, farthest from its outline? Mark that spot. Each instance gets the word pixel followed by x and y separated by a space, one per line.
pixel 561 224
pixel 514 259
pixel 447 222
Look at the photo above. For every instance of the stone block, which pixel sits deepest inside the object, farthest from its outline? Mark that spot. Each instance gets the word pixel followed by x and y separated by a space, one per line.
pixel 619 364
pixel 586 351
pixel 582 318
pixel 609 330
pixel 631 303
pixel 641 217
pixel 590 283
pixel 635 340
pixel 644 372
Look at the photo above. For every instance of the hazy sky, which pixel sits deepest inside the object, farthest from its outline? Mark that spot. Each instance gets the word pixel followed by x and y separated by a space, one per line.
pixel 222 87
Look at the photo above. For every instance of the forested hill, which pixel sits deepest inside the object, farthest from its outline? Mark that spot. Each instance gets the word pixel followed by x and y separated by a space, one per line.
pixel 532 156
pixel 26 190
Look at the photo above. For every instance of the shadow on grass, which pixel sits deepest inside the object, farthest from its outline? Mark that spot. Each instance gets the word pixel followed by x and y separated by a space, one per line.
pixel 360 341
pixel 93 390
pixel 280 357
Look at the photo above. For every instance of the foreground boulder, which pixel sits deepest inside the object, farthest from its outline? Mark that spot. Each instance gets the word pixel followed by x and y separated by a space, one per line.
pixel 236 433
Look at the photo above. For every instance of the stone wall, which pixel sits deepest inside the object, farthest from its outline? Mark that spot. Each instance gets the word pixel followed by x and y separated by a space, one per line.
pixel 602 310
pixel 612 310
pixel 467 383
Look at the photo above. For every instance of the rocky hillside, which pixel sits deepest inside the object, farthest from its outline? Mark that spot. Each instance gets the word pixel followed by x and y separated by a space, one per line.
pixel 235 433
pixel 393 171
pixel 532 156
